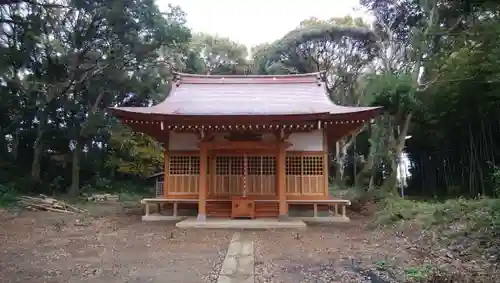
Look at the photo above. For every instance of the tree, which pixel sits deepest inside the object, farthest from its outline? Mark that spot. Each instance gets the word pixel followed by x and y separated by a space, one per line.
pixel 209 54
pixel 65 64
pixel 416 39
pixel 342 48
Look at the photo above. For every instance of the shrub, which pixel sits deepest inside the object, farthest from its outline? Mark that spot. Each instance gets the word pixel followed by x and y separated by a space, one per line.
pixel 476 212
pixel 8 195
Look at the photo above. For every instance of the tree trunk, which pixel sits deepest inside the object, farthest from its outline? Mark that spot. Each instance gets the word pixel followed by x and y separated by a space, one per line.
pixel 396 147
pixel 340 156
pixel 15 144
pixel 3 143
pixel 37 155
pixel 74 190
pixel 38 149
pixel 365 176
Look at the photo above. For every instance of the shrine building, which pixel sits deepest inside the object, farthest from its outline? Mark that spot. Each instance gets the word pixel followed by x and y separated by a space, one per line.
pixel 253 146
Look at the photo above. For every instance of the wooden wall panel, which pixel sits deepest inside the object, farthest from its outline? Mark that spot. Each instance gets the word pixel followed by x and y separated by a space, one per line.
pixel 182 177
pixel 183 184
pixel 303 141
pixel 304 174
pixel 308 141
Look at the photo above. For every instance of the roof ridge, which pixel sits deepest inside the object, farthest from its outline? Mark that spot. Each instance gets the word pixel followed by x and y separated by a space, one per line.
pixel 309 78
pixel 180 74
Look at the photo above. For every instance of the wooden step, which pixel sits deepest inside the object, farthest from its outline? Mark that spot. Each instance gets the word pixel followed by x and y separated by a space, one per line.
pixel 223 209
pixel 219 209
pixel 266 209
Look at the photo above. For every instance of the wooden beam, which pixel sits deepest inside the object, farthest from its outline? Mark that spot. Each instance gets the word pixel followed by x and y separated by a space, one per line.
pixel 243 145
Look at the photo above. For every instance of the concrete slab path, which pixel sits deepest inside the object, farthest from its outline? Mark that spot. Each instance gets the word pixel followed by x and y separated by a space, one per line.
pixel 270 223
pixel 238 266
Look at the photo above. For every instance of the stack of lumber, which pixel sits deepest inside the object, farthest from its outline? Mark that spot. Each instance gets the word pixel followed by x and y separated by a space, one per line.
pixel 45 203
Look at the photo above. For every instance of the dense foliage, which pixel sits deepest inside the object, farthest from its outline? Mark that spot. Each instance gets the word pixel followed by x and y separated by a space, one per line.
pixel 433 65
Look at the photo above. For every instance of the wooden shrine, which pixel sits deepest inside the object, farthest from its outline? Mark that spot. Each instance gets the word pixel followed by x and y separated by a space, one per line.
pixel 246 146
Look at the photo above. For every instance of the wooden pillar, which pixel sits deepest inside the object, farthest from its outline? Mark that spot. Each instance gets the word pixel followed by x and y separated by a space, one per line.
pixel 166 164
pixel 165 173
pixel 281 181
pixel 325 162
pixel 202 193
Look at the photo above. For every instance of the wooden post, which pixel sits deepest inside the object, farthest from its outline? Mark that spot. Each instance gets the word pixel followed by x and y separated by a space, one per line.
pixel 202 193
pixel 281 182
pixel 165 173
pixel 166 163
pixel 212 188
pixel 325 162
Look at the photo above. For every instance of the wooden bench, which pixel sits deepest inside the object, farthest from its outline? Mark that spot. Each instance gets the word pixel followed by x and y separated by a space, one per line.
pixel 314 203
pixel 336 202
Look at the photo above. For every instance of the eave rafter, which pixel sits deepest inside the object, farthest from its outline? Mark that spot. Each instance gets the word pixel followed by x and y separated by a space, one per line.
pixel 273 127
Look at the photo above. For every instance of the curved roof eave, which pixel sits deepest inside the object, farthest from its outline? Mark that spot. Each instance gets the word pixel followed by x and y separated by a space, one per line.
pixel 288 97
pixel 131 113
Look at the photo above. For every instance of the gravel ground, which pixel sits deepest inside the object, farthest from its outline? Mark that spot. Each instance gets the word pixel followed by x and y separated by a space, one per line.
pixel 52 247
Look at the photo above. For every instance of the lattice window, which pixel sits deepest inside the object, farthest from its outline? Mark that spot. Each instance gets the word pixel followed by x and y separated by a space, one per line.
pixel 304 165
pixel 222 165
pixel 293 165
pixel 268 165
pixel 184 165
pixel 236 165
pixel 256 165
pixel 159 189
pixel 312 165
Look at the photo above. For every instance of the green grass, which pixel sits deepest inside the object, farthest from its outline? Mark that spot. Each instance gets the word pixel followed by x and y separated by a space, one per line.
pixel 132 196
pixel 476 213
pixel 8 195
pixel 461 223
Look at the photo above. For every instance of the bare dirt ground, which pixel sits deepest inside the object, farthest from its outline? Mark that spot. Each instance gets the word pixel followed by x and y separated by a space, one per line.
pixel 351 252
pixel 107 247
pixel 114 245
pixel 339 253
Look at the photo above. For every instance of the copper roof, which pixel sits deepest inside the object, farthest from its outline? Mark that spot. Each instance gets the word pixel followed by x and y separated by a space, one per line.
pixel 206 95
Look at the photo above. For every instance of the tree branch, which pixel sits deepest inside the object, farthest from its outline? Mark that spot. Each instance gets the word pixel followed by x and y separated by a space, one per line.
pixel 34 3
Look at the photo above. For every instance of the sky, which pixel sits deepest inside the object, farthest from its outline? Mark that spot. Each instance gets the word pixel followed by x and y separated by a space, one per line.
pixel 257 21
